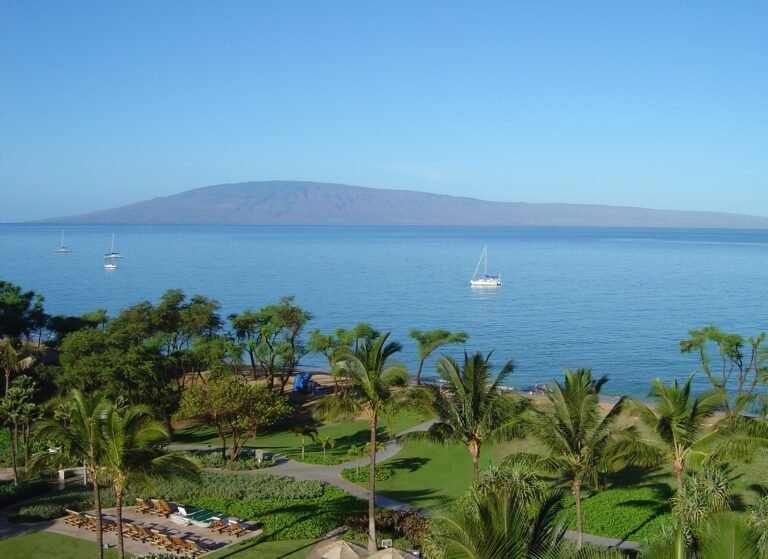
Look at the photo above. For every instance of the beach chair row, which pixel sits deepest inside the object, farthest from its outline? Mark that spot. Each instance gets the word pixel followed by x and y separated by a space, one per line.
pixel 185 516
pixel 164 541
pixel 155 507
pixel 160 539
pixel 88 521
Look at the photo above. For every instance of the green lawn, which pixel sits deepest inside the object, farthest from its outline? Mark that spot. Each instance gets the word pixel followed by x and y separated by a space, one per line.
pixel 345 433
pixel 52 546
pixel 291 549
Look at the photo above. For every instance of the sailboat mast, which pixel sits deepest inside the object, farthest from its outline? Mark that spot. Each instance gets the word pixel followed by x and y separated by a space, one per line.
pixel 485 256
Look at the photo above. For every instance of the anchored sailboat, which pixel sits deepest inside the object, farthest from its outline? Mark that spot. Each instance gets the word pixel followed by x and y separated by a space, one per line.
pixel 63 247
pixel 112 253
pixel 485 280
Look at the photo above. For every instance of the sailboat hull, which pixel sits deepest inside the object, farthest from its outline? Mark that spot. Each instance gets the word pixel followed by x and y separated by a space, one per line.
pixel 486 282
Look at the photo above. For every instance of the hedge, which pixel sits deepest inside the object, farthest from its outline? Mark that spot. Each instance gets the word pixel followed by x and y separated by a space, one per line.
pixel 10 493
pixel 360 475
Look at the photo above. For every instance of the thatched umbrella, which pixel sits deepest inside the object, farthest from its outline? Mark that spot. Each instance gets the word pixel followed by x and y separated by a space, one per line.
pixel 390 553
pixel 341 549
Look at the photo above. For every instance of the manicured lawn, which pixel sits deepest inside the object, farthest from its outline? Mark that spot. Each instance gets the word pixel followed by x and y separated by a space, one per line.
pixel 345 433
pixel 53 546
pixel 291 549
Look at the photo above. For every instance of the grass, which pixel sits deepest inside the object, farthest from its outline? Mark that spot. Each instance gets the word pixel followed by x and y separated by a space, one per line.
pixel 55 546
pixel 50 545
pixel 253 549
pixel 345 433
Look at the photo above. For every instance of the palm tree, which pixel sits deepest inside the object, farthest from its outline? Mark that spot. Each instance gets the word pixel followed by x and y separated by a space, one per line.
pixel 356 452
pixel 369 391
pixel 304 430
pixel 80 440
pixel 433 340
pixel 680 425
pixel 582 442
pixel 471 408
pixel 133 451
pixel 498 525
pixel 326 441
pixel 13 360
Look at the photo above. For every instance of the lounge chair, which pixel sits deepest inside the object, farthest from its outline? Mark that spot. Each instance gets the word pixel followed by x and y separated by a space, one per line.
pixel 74 518
pixel 160 508
pixel 194 548
pixel 129 530
pixel 143 534
pixel 142 506
pixel 166 508
pixel 90 522
pixel 178 544
pixel 108 525
pixel 235 528
pixel 162 541
pixel 218 525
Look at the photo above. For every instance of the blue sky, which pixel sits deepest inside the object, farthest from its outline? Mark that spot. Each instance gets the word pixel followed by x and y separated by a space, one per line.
pixel 654 104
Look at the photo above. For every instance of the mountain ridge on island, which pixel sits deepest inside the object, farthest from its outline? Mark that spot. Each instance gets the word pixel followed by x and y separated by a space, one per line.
pixel 315 203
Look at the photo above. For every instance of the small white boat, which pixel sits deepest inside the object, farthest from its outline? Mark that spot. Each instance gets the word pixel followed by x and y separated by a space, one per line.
pixel 112 253
pixel 110 266
pixel 485 280
pixel 63 247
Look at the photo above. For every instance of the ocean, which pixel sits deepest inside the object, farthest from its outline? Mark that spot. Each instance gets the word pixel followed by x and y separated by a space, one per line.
pixel 615 300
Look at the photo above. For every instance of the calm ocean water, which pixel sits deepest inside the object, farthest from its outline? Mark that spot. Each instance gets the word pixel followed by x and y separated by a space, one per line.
pixel 615 300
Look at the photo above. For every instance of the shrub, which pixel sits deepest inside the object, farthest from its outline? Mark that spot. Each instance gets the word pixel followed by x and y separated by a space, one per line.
pixel 10 493
pixel 407 524
pixel 284 519
pixel 52 505
pixel 360 475
pixel 213 459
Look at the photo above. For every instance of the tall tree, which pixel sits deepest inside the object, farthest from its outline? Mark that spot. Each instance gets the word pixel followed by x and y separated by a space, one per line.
pixel 272 338
pixel 133 451
pixel 370 391
pixel 80 440
pixel 14 358
pixel 432 340
pixel 470 406
pixel 582 442
pixel 742 364
pixel 234 408
pixel 21 312
pixel 501 525
pixel 680 426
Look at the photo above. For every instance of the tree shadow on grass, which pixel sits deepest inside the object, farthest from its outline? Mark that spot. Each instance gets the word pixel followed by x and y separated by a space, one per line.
pixel 408 464
pixel 245 547
pixel 420 498
pixel 657 506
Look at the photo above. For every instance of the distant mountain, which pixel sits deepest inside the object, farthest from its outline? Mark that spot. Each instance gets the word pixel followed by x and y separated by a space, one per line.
pixel 313 203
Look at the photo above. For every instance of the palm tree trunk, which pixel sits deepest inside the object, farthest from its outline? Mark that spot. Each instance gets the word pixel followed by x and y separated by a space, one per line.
pixel 579 527
pixel 418 373
pixel 223 439
pixel 678 469
pixel 13 458
pixel 372 547
pixel 119 517
pixel 474 452
pixel 302 449
pixel 97 506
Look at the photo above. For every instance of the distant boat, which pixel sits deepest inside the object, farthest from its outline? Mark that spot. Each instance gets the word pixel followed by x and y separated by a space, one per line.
pixel 63 248
pixel 110 266
pixel 485 280
pixel 112 253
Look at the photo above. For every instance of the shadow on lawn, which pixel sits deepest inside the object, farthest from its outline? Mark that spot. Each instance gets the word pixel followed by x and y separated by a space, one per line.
pixel 245 547
pixel 410 464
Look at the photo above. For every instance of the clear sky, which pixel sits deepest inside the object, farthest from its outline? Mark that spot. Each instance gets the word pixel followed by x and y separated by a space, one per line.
pixel 655 104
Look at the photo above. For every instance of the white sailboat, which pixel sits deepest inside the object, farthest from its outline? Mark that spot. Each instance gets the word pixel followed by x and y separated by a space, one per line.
pixel 110 266
pixel 485 280
pixel 112 253
pixel 63 247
